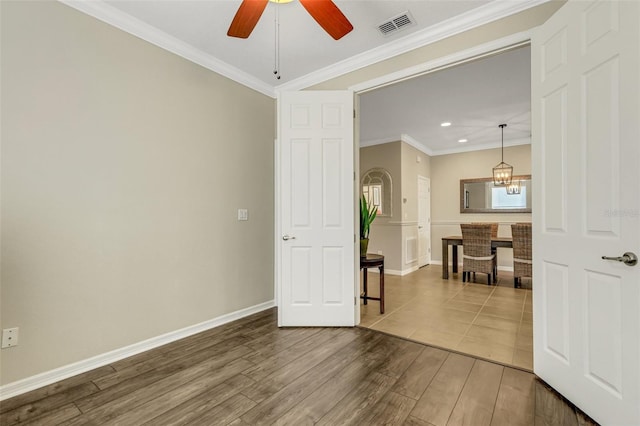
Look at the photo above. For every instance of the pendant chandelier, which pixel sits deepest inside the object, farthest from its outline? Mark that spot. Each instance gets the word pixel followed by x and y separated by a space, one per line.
pixel 503 172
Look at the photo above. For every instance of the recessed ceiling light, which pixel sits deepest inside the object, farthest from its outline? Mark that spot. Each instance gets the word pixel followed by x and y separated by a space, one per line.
pixel 462 140
pixel 445 124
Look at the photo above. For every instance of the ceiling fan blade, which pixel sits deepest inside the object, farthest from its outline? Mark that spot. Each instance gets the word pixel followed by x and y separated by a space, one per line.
pixel 246 18
pixel 327 14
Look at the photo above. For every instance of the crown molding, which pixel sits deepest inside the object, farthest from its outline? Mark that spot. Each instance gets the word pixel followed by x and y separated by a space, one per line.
pixel 480 16
pixel 416 144
pixel 116 18
pixel 373 142
pixel 456 25
pixel 403 138
pixel 425 150
pixel 482 147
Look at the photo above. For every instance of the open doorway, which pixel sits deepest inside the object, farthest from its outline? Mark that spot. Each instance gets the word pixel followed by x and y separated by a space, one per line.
pixel 403 130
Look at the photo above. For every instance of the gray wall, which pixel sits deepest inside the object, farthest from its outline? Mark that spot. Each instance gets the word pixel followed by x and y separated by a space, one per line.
pixel 122 169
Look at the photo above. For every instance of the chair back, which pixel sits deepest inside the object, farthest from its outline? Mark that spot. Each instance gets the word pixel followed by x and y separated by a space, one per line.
pixel 494 227
pixel 521 233
pixel 522 251
pixel 476 239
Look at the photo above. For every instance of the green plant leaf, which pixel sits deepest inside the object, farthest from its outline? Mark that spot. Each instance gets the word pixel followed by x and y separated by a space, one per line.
pixel 367 215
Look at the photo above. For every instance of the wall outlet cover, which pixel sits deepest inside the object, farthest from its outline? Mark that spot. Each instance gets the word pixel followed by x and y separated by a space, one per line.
pixel 9 337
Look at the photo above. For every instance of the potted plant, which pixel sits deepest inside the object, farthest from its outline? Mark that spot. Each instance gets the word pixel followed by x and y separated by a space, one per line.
pixel 367 214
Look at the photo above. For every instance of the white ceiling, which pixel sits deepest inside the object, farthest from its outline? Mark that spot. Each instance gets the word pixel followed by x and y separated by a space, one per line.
pixel 196 30
pixel 474 97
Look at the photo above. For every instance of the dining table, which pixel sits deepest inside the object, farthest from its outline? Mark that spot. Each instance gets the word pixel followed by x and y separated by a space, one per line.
pixel 455 241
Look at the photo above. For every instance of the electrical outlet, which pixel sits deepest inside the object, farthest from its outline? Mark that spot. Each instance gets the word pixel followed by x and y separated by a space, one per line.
pixel 9 337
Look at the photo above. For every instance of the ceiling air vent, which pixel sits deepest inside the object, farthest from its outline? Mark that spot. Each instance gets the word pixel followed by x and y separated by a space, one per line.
pixel 396 23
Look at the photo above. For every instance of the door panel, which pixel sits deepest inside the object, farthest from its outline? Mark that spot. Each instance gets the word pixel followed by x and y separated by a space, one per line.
pixel 585 152
pixel 316 268
pixel 424 221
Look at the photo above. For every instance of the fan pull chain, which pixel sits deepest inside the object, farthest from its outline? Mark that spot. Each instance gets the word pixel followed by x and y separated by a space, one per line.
pixel 276 60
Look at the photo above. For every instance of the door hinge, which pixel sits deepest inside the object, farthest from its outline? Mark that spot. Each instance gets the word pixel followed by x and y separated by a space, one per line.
pixel 354 301
pixel 354 113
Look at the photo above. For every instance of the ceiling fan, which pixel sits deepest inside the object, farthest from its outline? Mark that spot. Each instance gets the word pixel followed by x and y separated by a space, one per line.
pixel 325 12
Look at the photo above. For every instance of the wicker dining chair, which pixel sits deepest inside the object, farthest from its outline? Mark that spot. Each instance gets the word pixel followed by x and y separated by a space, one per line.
pixel 477 257
pixel 522 252
pixel 494 250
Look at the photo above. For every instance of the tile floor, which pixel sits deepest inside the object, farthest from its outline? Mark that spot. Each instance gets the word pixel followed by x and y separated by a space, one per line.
pixel 491 322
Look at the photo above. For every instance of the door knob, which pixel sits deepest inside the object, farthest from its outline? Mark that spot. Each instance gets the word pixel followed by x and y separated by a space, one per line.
pixel 629 259
pixel 287 238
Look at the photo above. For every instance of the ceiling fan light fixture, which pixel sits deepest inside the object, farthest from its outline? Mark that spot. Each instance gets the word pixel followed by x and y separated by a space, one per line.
pixel 324 12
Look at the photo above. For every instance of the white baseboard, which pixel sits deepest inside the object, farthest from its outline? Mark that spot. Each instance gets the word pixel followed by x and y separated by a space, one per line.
pixel 395 271
pixel 39 380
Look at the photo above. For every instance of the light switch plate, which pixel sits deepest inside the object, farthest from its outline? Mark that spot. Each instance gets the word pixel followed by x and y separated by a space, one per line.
pixel 243 214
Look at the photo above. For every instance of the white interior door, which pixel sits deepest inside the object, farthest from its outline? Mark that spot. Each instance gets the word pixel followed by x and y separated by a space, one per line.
pixel 424 221
pixel 586 157
pixel 316 209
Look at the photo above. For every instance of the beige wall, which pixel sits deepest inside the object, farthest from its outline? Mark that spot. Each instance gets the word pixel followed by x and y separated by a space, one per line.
pixel 122 169
pixel 414 163
pixel 446 172
pixel 390 234
pixel 384 235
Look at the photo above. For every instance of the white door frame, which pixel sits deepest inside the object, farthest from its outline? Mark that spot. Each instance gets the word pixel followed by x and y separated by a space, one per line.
pixel 486 49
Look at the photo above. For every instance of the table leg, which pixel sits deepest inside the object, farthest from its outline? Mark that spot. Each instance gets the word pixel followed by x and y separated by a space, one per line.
pixel 445 260
pixel 454 258
pixel 381 289
pixel 364 283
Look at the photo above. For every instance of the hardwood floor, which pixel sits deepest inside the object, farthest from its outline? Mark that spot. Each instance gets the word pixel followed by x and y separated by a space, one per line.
pixel 250 372
pixel 491 322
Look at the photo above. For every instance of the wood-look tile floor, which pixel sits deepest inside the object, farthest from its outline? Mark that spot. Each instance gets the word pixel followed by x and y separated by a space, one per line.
pixel 491 322
pixel 250 372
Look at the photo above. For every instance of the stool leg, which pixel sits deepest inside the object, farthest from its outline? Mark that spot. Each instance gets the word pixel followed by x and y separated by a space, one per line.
pixel 382 289
pixel 364 282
